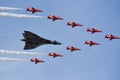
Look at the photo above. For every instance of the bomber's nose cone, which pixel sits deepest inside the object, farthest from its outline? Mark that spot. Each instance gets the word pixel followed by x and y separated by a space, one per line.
pixel 56 43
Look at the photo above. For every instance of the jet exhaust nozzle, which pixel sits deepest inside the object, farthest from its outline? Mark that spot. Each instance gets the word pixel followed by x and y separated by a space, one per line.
pixel 22 39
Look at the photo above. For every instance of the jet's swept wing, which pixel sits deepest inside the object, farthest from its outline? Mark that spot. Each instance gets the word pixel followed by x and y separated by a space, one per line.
pixel 32 40
pixel 30 46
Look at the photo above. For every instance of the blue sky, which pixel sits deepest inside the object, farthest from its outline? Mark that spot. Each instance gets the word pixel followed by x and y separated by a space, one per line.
pixel 91 63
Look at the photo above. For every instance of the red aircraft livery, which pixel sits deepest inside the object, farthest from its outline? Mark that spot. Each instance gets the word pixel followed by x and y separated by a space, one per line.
pixel 90 43
pixel 93 30
pixel 53 17
pixel 74 24
pixel 36 60
pixel 111 37
pixel 33 10
pixel 72 48
pixel 55 54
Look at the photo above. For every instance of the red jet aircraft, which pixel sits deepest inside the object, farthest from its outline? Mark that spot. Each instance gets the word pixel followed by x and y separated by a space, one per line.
pixel 55 54
pixel 90 43
pixel 93 30
pixel 74 24
pixel 53 17
pixel 111 37
pixel 72 48
pixel 33 10
pixel 36 60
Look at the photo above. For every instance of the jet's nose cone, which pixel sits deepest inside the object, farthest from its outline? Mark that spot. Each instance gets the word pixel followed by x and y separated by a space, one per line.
pixel 59 43
pixel 56 43
pixel 40 11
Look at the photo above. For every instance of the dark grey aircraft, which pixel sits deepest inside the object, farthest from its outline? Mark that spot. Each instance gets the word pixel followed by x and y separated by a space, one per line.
pixel 32 40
